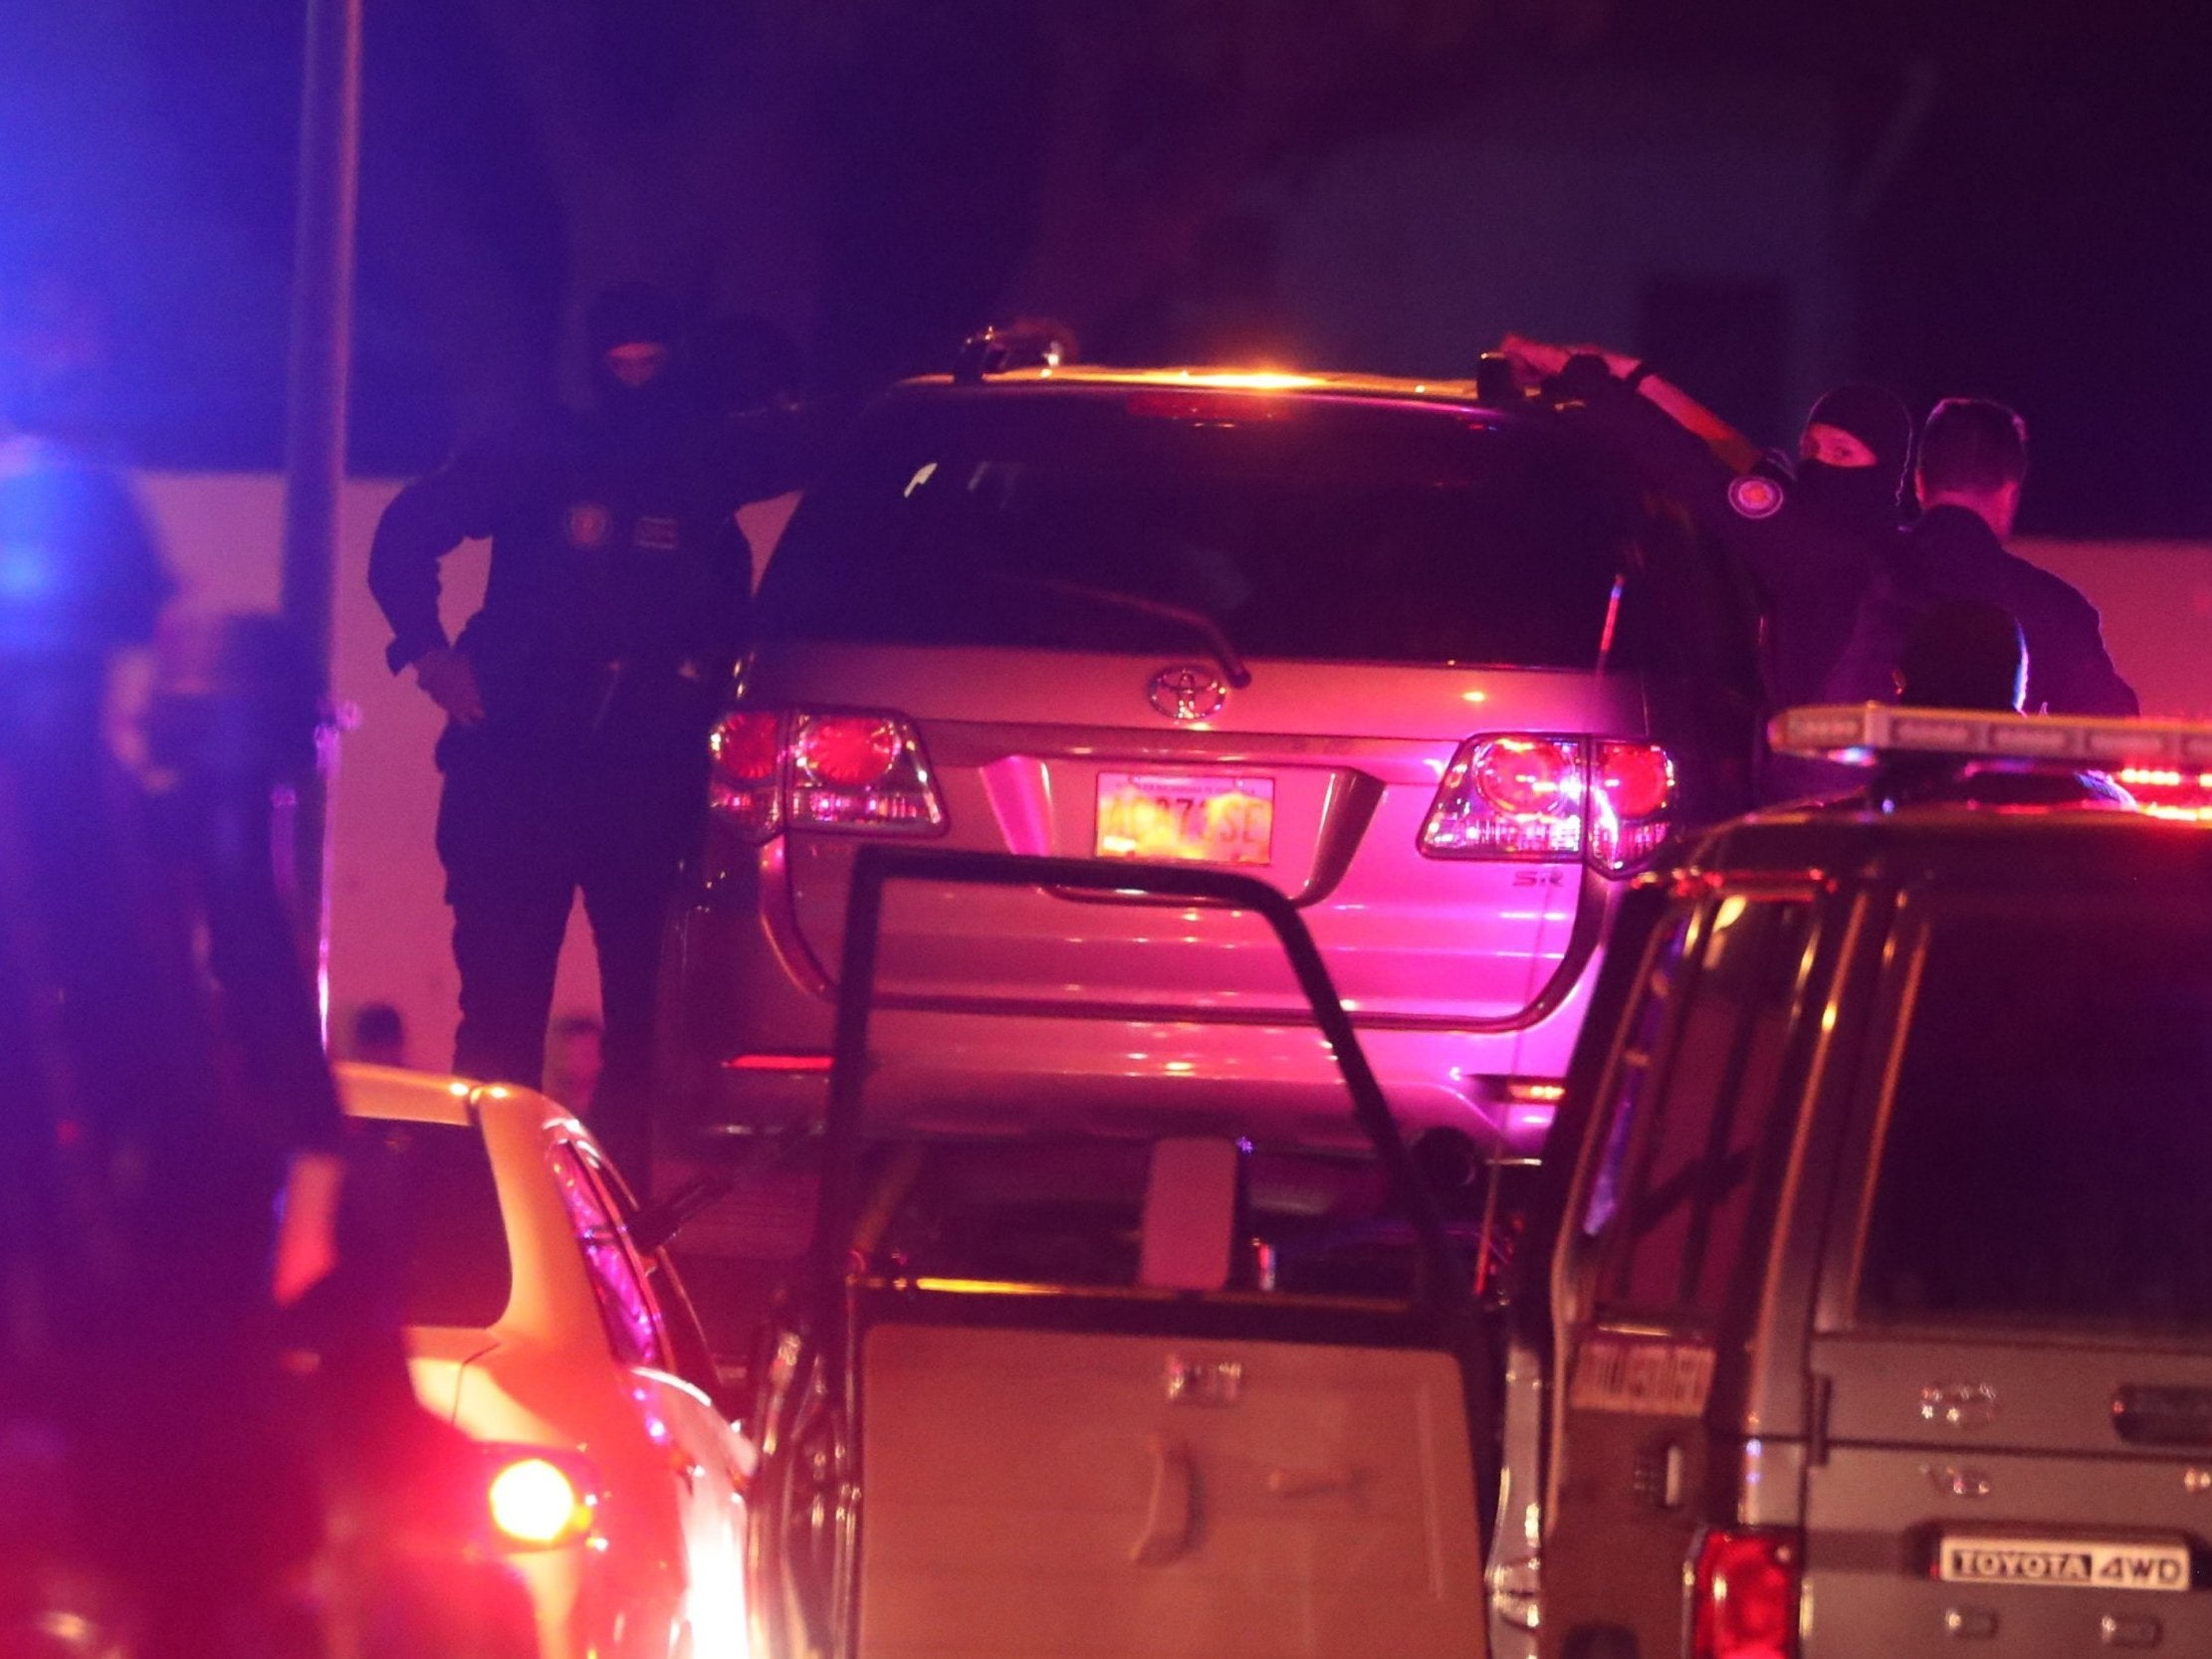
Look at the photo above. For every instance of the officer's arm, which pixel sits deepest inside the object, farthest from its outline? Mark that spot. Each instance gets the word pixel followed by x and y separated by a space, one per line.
pixel 1741 512
pixel 462 501
pixel 1730 446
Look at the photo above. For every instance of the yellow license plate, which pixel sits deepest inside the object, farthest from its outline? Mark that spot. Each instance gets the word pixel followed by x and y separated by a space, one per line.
pixel 1204 820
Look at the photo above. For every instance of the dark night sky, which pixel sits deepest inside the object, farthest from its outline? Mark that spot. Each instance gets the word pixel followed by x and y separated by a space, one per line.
pixel 2043 239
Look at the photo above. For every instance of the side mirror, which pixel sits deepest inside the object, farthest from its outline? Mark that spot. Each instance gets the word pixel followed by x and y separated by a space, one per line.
pixel 663 1218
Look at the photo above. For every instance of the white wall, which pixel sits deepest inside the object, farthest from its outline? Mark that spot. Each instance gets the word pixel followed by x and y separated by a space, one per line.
pixel 389 927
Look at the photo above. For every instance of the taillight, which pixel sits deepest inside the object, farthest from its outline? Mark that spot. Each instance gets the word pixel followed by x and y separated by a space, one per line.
pixel 848 751
pixel 1744 1594
pixel 1631 802
pixel 746 783
pixel 1508 796
pixel 536 1498
pixel 823 770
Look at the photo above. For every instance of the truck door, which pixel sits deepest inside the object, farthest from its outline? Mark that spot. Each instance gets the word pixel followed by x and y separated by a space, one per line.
pixel 1660 1263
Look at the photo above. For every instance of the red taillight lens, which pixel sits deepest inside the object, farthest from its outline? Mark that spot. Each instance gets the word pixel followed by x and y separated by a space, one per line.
pixel 1511 795
pixel 1529 777
pixel 848 751
pixel 1635 780
pixel 1744 1594
pixel 748 747
pixel 852 771
pixel 536 1498
pixel 746 788
pixel 821 771
pixel 1631 799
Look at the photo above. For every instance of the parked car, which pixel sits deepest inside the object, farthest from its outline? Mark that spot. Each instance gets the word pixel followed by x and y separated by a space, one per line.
pixel 1869 1306
pixel 1200 1382
pixel 546 1320
pixel 1438 667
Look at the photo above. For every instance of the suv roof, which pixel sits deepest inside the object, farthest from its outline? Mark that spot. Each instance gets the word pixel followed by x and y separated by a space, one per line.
pixel 1211 377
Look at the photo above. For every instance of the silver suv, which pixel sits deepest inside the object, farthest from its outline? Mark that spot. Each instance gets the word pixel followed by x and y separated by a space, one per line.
pixel 1440 667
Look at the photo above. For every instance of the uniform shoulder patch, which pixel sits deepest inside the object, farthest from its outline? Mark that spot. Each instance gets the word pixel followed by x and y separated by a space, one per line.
pixel 1755 495
pixel 588 524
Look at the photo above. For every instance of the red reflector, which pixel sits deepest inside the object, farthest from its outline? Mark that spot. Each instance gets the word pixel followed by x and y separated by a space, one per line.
pixel 748 746
pixel 1530 776
pixel 849 751
pixel 776 1063
pixel 1636 779
pixel 1745 1597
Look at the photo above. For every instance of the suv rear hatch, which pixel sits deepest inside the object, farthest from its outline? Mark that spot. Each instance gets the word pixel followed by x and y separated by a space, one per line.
pixel 2020 1429
pixel 1047 600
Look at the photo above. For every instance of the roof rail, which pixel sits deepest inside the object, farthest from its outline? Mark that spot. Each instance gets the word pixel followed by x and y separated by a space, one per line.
pixel 1028 343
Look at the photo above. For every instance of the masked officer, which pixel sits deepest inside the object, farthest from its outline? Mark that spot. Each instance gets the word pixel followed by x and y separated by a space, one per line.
pixel 1810 537
pixel 580 696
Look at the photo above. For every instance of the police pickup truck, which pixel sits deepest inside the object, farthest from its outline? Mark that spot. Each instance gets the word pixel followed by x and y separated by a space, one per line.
pixel 1866 1308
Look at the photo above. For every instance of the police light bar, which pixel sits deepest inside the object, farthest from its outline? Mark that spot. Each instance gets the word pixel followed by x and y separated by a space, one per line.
pixel 1863 734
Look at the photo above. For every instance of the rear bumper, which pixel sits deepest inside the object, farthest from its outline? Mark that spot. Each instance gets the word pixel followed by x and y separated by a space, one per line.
pixel 998 1072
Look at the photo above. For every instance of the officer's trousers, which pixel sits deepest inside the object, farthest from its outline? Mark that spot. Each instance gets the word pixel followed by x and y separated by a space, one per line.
pixel 520 841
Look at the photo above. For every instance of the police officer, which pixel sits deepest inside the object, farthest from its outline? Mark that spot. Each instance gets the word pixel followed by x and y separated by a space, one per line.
pixel 1812 537
pixel 580 696
pixel 1973 463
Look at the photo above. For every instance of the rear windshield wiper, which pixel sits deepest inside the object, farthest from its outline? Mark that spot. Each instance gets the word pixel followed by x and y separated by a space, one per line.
pixel 1192 622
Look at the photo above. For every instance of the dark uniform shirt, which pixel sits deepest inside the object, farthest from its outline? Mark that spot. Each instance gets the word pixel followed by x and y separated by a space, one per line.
pixel 1808 573
pixel 1950 554
pixel 617 600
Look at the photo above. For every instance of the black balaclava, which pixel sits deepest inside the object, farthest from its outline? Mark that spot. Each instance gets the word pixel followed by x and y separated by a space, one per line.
pixel 631 315
pixel 1863 497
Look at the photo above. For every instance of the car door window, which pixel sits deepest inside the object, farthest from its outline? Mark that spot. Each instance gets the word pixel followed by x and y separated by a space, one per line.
pixel 1685 1205
pixel 626 1306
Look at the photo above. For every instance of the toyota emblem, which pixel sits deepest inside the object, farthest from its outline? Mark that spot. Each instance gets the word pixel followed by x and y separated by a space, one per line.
pixel 1187 692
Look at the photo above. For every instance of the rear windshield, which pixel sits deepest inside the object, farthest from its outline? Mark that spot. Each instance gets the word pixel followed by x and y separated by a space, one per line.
pixel 2048 1152
pixel 1069 1213
pixel 431 1186
pixel 1301 527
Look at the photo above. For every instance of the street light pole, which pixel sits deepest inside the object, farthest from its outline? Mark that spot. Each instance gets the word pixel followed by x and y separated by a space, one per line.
pixel 314 417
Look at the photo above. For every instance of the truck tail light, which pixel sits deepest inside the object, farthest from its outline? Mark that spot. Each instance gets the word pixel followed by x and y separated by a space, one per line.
pixel 1744 1594
pixel 1514 797
pixel 819 769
